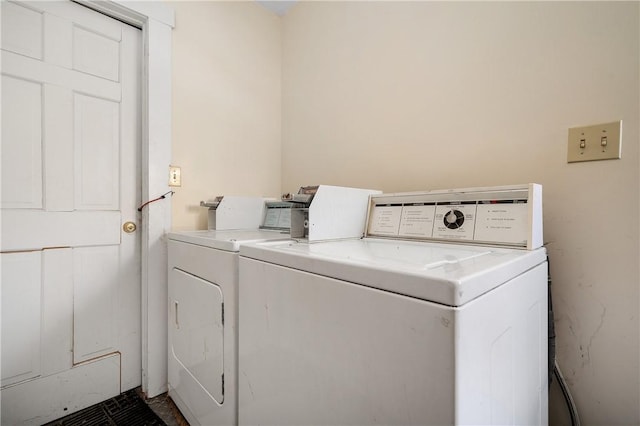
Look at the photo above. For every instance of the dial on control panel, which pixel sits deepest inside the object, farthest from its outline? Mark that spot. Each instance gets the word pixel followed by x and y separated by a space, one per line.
pixel 454 219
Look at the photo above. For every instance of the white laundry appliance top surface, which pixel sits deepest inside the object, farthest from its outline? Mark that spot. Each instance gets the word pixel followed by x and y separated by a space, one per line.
pixel 449 274
pixel 228 240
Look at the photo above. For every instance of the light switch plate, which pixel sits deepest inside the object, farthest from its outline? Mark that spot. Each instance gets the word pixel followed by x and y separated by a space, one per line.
pixel 175 177
pixel 597 142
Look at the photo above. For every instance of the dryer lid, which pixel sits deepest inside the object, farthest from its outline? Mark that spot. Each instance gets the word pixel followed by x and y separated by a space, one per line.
pixel 228 240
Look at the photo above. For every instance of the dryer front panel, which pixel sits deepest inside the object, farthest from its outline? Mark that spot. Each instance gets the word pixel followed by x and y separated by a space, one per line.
pixel 196 329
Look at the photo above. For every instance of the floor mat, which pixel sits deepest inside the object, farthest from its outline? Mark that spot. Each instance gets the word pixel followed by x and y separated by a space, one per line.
pixel 126 409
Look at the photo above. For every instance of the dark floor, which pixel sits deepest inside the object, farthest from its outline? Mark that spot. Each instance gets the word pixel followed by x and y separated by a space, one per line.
pixel 164 407
pixel 127 409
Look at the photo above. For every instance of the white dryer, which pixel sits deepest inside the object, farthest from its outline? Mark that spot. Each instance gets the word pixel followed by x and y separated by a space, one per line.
pixel 203 281
pixel 403 326
pixel 203 302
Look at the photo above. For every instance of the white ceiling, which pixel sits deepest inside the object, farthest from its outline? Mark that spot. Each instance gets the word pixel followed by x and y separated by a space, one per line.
pixel 279 7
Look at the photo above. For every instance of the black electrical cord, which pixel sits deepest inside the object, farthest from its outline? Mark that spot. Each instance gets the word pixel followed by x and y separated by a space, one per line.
pixel 551 358
pixel 571 406
pixel 554 369
pixel 163 196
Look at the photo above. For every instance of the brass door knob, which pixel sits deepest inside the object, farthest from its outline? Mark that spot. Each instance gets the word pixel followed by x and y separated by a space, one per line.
pixel 129 227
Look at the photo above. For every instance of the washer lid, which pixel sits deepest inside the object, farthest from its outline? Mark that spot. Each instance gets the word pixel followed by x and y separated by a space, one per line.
pixel 443 273
pixel 228 240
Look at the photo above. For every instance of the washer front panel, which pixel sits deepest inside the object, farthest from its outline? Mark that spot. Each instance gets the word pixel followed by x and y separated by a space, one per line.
pixel 316 350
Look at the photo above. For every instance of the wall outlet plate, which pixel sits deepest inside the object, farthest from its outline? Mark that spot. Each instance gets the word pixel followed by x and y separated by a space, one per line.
pixel 597 142
pixel 175 177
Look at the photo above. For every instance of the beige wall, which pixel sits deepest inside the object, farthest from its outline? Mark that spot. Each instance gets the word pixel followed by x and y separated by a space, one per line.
pixel 422 95
pixel 226 104
pixel 408 96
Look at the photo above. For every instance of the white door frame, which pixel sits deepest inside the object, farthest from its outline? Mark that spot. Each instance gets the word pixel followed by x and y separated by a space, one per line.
pixel 156 19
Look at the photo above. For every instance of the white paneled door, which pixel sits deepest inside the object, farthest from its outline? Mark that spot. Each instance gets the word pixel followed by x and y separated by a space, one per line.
pixel 70 180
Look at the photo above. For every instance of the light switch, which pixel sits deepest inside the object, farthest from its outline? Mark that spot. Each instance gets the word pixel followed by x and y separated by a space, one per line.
pixel 597 142
pixel 175 178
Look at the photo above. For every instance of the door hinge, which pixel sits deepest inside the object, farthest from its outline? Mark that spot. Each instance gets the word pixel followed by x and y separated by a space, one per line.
pixel 223 314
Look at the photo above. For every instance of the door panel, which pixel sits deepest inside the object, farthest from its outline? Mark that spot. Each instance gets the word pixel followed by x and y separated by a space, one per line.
pixel 70 178
pixel 96 54
pixel 22 30
pixel 87 382
pixel 21 163
pixel 95 269
pixel 21 288
pixel 97 142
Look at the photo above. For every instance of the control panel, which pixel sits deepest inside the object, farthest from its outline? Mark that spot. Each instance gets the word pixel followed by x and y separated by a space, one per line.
pixel 509 216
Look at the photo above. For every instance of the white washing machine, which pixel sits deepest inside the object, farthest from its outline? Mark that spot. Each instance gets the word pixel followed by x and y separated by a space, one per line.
pixel 437 317
pixel 203 303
